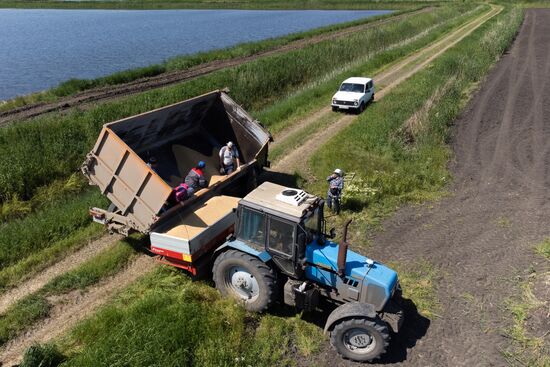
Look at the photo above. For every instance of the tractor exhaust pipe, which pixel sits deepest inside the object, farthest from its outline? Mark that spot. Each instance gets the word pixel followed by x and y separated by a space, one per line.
pixel 343 251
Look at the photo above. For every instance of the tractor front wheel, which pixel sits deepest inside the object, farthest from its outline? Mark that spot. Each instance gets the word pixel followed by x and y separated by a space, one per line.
pixel 245 278
pixel 360 339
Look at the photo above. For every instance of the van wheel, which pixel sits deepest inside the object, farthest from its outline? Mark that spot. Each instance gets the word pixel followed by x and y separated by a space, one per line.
pixel 246 279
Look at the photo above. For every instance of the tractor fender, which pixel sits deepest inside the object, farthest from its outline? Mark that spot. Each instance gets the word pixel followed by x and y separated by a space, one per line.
pixel 264 256
pixel 350 310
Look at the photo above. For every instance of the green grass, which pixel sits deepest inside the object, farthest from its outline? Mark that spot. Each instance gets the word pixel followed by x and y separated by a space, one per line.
pixel 25 313
pixel 167 320
pixel 543 248
pixel 26 267
pixel 52 194
pixel 37 231
pixel 42 356
pixel 419 281
pixel 394 170
pixel 105 264
pixel 52 147
pixel 73 86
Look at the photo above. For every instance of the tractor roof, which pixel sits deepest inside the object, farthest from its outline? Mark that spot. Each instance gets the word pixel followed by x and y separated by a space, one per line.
pixel 283 201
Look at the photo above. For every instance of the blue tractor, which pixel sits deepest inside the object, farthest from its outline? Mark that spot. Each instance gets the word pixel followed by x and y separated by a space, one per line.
pixel 280 251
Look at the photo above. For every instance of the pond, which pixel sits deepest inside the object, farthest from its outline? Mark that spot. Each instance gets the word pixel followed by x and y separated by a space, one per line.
pixel 41 48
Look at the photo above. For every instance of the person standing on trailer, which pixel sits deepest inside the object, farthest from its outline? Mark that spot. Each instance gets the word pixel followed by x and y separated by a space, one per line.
pixel 335 187
pixel 229 157
pixel 195 179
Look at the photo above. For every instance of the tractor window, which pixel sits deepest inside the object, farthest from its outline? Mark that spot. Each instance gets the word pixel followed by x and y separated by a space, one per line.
pixel 281 236
pixel 252 227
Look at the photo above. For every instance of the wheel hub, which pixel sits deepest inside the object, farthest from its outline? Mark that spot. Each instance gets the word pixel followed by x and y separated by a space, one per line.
pixel 359 341
pixel 243 284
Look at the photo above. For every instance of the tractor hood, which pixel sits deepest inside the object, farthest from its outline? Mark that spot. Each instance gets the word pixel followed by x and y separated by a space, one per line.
pixel 376 282
pixel 347 96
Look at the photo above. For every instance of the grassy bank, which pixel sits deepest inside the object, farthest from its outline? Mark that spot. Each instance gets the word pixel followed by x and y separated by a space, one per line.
pixel 398 146
pixel 28 244
pixel 185 62
pixel 25 313
pixel 204 329
pixel 35 153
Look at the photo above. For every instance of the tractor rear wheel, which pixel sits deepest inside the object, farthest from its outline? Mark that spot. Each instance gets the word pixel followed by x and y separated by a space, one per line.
pixel 360 339
pixel 245 278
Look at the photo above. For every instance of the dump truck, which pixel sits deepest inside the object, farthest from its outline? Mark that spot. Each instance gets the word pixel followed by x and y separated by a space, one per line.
pixel 262 245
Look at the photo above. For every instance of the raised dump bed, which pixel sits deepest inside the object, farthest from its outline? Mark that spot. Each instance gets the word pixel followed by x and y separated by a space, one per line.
pixel 184 238
pixel 178 136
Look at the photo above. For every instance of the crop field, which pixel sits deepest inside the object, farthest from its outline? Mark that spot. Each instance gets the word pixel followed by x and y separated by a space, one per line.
pixel 72 296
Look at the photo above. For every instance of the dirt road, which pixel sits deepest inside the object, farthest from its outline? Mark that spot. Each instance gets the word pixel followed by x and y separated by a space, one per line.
pixel 481 237
pixel 111 92
pixel 385 81
pixel 69 263
pixel 71 308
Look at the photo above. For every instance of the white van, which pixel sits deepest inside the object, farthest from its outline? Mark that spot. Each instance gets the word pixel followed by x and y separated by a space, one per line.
pixel 354 93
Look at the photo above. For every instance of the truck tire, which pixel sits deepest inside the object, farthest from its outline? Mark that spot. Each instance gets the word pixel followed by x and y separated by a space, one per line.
pixel 245 278
pixel 361 108
pixel 360 339
pixel 334 109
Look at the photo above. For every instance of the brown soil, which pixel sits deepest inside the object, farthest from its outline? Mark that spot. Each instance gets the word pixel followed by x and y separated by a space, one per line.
pixel 71 308
pixel 70 262
pixel 385 81
pixel 115 91
pixel 481 237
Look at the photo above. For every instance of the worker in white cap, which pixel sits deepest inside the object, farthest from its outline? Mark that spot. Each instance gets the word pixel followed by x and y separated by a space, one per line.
pixel 335 187
pixel 229 158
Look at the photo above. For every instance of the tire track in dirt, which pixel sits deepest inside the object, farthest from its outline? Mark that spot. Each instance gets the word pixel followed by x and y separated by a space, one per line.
pixel 69 263
pixel 481 237
pixel 85 98
pixel 69 309
pixel 388 79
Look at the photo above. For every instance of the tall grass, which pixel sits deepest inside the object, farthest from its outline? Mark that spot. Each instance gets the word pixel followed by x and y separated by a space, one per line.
pixel 390 165
pixel 167 320
pixel 38 260
pixel 23 314
pixel 34 154
pixel 24 237
pixel 301 103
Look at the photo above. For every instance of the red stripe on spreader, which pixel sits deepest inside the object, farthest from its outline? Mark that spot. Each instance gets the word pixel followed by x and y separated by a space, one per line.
pixel 168 253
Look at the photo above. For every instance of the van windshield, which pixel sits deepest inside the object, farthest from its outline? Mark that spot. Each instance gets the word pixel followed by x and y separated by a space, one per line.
pixel 352 87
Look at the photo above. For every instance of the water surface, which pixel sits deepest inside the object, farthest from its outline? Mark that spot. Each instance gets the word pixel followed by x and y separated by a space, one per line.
pixel 39 48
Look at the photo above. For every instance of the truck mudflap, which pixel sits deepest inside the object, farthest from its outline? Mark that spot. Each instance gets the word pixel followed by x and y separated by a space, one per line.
pixel 393 315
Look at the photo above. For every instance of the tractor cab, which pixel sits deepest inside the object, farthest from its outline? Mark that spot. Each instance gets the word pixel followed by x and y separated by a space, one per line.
pixel 280 221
